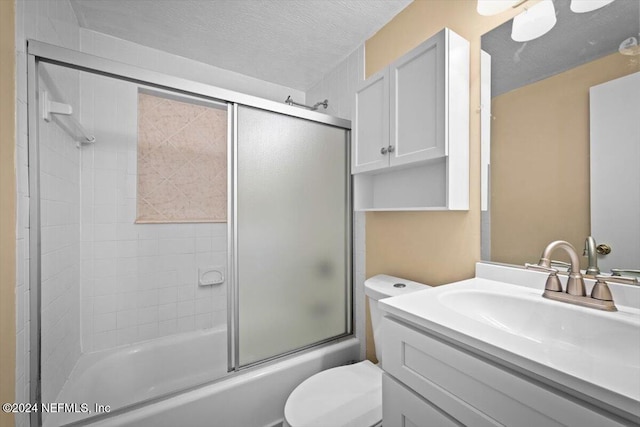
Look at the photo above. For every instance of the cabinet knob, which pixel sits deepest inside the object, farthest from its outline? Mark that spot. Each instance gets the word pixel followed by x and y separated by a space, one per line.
pixel 383 150
pixel 391 148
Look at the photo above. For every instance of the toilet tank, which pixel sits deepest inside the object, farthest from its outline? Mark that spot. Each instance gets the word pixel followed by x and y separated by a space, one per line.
pixel 383 286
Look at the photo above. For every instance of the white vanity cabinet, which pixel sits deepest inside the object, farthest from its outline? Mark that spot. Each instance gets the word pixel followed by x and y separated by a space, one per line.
pixel 410 148
pixel 429 381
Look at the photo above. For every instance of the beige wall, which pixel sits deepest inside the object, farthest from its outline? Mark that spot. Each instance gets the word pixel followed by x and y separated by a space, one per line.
pixel 7 209
pixel 540 161
pixel 430 247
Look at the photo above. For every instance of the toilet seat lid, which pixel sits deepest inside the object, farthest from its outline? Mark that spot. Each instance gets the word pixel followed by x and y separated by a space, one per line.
pixel 344 396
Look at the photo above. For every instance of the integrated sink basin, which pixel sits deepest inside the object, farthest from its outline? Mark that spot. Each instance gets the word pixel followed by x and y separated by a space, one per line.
pixel 593 353
pixel 564 330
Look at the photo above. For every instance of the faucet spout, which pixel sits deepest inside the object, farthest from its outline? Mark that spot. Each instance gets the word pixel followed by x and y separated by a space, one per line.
pixel 591 253
pixel 575 283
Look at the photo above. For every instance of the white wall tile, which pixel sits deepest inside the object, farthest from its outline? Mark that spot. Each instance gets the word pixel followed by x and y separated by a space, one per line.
pixel 167 327
pixel 105 304
pixel 126 318
pixel 104 340
pixel 148 315
pixel 104 214
pixel 167 311
pixel 186 293
pixel 147 298
pixel 204 321
pixel 148 331
pixel 147 247
pixel 103 268
pixel 167 295
pixel 127 248
pixel 104 250
pixel 104 322
pixel 126 301
pixel 127 335
pixel 176 246
pixel 104 286
pixel 186 308
pixel 203 305
pixel 186 324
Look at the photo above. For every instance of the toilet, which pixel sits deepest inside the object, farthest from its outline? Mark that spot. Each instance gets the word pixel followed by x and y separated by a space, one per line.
pixel 351 395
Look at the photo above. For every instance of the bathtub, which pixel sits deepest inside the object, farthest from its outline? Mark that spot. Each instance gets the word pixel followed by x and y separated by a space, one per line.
pixel 126 375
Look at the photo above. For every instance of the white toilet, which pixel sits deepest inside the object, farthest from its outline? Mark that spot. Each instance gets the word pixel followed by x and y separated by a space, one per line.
pixel 348 395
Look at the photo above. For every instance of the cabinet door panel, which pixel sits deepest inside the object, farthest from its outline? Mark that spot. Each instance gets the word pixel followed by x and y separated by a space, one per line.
pixel 402 407
pixel 371 125
pixel 444 374
pixel 417 85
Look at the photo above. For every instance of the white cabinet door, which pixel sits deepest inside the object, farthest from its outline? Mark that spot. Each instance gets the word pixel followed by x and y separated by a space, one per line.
pixel 371 116
pixel 417 87
pixel 411 130
pixel 476 391
pixel 402 407
pixel 615 170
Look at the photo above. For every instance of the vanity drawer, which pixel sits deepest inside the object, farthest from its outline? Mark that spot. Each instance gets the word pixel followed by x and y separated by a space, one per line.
pixel 451 378
pixel 403 407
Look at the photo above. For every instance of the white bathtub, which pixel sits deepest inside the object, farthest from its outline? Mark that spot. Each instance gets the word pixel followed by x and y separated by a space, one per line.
pixel 149 370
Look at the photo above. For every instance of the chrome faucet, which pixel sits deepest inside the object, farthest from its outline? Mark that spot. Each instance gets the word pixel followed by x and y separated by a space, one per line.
pixel 591 253
pixel 575 293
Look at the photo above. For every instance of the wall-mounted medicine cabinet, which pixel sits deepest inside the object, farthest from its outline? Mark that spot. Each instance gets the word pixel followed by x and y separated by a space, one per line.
pixel 411 138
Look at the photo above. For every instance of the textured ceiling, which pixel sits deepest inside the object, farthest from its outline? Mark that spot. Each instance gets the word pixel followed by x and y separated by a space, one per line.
pixel 576 38
pixel 289 42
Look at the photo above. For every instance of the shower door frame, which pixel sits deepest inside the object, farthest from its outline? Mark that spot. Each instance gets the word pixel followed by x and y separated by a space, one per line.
pixel 234 315
pixel 41 52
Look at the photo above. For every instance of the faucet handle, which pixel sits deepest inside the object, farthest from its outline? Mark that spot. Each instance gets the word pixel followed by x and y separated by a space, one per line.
pixel 601 290
pixel 543 268
pixel 553 282
pixel 618 279
pixel 621 272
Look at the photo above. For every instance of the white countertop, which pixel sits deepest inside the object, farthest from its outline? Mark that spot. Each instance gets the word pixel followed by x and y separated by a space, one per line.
pixel 589 353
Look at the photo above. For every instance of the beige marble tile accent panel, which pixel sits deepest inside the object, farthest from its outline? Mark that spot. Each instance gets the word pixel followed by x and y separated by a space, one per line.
pixel 182 161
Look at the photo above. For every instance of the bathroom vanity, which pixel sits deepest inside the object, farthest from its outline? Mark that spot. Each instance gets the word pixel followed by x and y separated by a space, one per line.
pixel 492 351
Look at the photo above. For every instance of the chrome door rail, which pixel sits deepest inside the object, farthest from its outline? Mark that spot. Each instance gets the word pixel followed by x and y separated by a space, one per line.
pixel 46 52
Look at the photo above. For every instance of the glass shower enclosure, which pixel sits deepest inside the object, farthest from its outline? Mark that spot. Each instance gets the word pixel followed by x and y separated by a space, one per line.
pixel 179 233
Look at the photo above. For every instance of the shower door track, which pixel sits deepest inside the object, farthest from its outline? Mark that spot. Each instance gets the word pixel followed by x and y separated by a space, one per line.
pixel 37 52
pixel 45 52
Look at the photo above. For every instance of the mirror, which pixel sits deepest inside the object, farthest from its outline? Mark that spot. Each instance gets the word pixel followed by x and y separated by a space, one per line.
pixel 539 173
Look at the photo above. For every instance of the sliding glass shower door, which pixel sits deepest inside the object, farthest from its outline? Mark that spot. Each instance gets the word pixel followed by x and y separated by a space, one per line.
pixel 173 230
pixel 292 234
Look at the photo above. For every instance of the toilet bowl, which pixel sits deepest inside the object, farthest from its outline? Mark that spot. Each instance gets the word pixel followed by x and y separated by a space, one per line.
pixel 351 395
